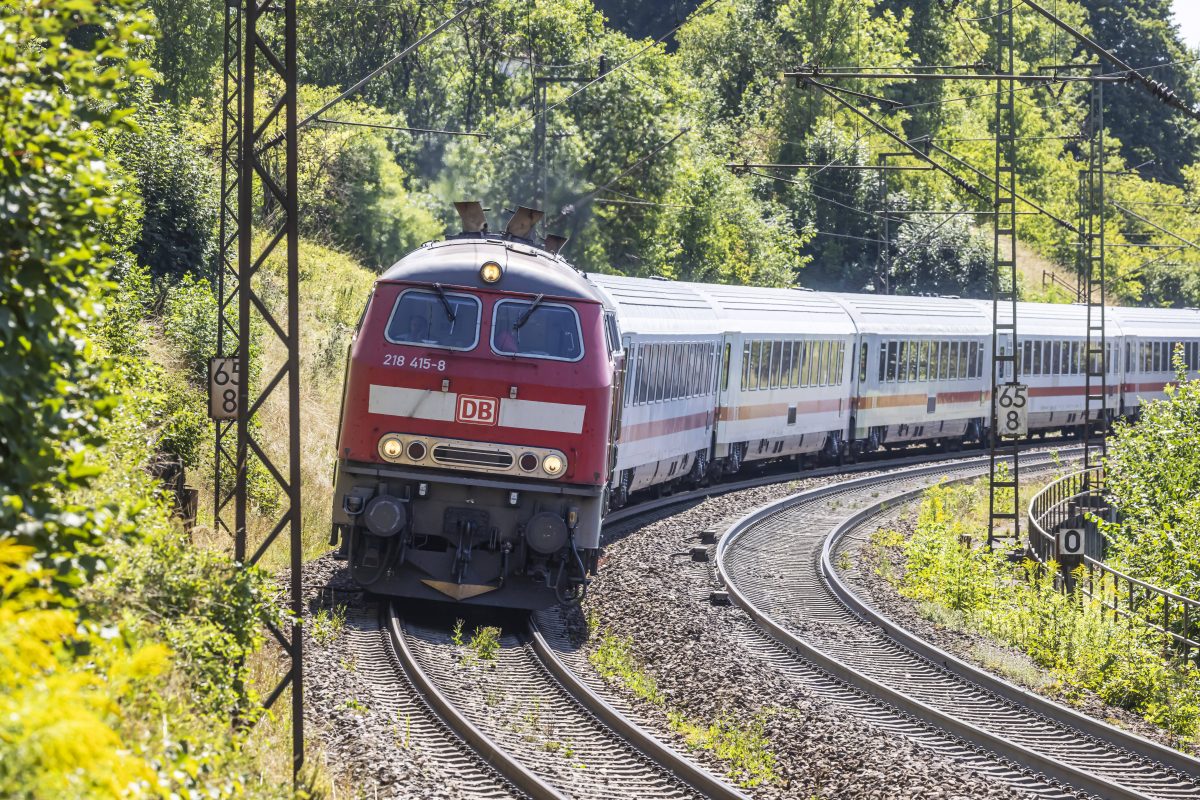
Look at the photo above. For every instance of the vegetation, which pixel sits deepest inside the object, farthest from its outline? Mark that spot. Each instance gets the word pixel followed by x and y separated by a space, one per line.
pixel 968 587
pixel 1153 478
pixel 485 643
pixel 743 747
pixel 124 651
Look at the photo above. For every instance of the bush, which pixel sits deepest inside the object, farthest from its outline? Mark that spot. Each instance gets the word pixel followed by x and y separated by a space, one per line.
pixel 189 320
pixel 1069 634
pixel 1153 479
pixel 178 191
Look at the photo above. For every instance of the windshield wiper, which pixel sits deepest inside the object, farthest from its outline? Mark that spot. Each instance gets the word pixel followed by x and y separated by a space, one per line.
pixel 528 312
pixel 445 303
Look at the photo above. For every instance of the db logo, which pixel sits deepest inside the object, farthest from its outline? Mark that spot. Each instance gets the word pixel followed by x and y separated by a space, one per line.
pixel 477 410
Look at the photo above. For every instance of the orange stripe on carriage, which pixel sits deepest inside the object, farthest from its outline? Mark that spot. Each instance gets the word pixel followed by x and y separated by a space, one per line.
pixel 664 427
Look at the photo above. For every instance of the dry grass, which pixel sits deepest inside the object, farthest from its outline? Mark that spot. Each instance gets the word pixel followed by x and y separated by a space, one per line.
pixel 333 290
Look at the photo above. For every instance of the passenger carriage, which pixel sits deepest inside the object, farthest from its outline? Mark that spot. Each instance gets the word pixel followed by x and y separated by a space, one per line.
pixel 1148 346
pixel 671 338
pixel 785 378
pixel 1053 343
pixel 921 370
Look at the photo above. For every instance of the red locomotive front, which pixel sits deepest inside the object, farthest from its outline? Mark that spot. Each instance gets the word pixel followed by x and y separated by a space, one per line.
pixel 473 453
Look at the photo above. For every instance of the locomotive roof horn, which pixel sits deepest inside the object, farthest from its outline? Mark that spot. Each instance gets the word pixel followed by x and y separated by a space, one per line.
pixel 521 223
pixel 555 243
pixel 471 214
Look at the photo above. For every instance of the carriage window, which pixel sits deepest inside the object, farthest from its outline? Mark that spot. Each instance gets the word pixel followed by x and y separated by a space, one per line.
pixel 725 366
pixel 1055 358
pixel 973 366
pixel 776 363
pixel 893 355
pixel 952 359
pixel 883 361
pixel 430 319
pixel 643 373
pixel 785 371
pixel 755 352
pixel 797 361
pixel 538 330
pixel 841 363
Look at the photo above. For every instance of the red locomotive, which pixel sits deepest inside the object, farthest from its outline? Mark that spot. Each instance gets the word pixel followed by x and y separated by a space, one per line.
pixel 473 452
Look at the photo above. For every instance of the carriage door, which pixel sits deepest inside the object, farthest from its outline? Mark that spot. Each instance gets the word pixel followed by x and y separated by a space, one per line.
pixel 729 361
pixel 612 335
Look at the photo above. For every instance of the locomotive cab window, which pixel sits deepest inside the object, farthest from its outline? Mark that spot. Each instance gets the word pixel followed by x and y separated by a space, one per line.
pixel 536 329
pixel 435 319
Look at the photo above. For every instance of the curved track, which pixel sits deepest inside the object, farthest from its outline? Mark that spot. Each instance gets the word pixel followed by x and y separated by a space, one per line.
pixel 414 720
pixel 997 728
pixel 543 729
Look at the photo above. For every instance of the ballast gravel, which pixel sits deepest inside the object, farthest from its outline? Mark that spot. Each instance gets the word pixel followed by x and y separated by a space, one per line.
pixel 361 745
pixel 653 594
pixel 867 577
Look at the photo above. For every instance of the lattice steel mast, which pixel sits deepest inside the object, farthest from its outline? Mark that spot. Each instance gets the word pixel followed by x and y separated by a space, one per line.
pixel 1004 481
pixel 260 51
pixel 1093 275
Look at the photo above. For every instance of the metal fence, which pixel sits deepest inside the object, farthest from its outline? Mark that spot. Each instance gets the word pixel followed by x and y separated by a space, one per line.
pixel 1064 504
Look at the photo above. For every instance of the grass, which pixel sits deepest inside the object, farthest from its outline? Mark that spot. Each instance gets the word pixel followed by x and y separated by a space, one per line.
pixel 485 643
pixel 328 624
pixel 745 749
pixel 1071 639
pixel 482 647
pixel 333 290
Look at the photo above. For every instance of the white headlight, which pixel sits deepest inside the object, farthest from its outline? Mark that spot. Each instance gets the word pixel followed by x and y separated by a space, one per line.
pixel 553 464
pixel 391 447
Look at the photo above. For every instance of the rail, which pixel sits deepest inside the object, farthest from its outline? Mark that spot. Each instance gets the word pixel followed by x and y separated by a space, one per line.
pixel 1061 504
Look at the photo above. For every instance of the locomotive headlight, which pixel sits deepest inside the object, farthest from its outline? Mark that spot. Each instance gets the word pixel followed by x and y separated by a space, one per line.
pixel 490 272
pixel 391 447
pixel 553 464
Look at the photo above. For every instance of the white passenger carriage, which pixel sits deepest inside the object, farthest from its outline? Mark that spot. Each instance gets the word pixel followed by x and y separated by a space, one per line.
pixel 671 337
pixel 921 369
pixel 1053 342
pixel 1149 336
pixel 785 382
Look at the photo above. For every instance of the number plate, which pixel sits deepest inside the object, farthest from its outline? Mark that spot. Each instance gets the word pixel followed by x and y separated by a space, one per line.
pixel 1012 409
pixel 1070 542
pixel 223 381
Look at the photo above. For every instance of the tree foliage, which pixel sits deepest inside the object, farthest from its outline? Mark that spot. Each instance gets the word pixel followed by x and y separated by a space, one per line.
pixel 1153 478
pixel 58 195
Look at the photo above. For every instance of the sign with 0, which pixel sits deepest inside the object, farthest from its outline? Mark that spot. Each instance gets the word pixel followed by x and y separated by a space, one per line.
pixel 1071 542
pixel 1012 409
pixel 224 377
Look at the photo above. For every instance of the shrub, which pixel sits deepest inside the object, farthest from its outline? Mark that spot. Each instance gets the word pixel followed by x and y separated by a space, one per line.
pixel 1153 478
pixel 1069 634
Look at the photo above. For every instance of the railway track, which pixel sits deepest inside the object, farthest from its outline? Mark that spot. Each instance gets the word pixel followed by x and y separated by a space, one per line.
pixel 416 724
pixel 778 565
pixel 548 733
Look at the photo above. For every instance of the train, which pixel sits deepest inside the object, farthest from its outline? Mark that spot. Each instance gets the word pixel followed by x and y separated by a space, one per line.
pixel 499 402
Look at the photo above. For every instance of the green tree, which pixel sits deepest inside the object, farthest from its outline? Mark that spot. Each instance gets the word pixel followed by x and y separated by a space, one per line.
pixel 187 53
pixel 1141 32
pixel 1153 477
pixel 178 190
pixel 58 95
